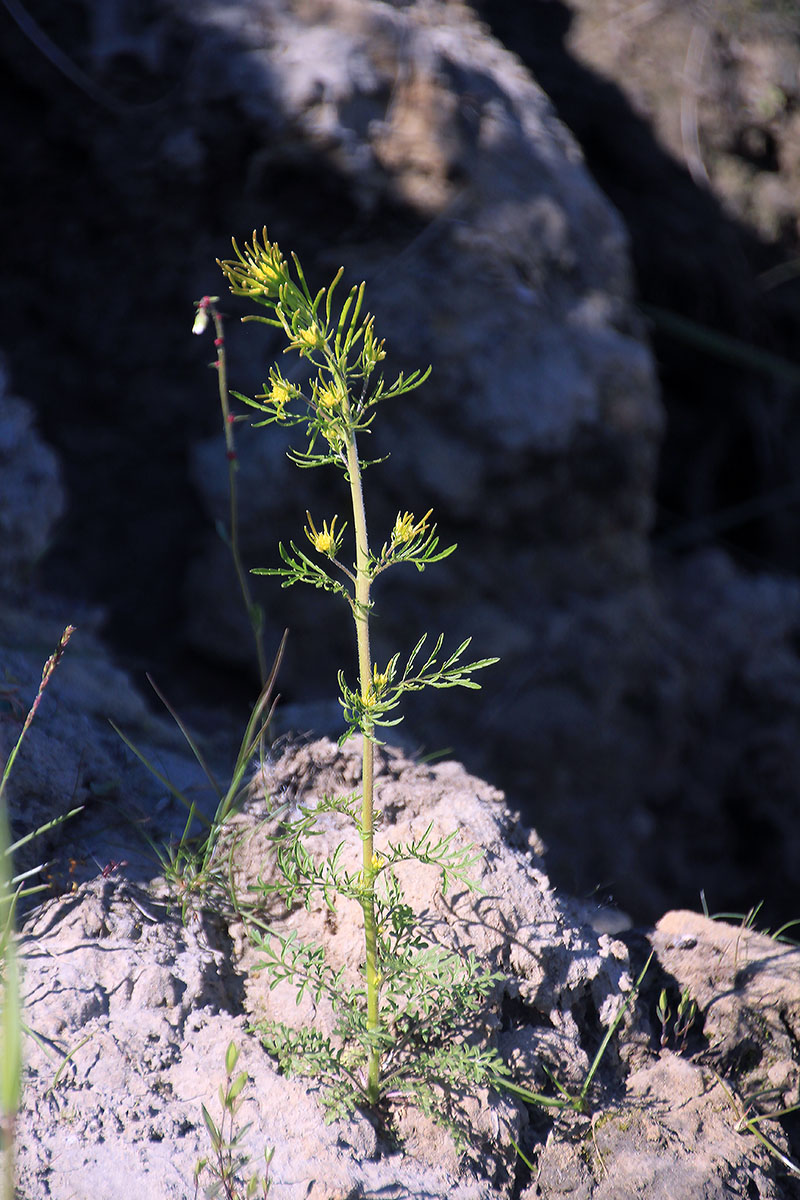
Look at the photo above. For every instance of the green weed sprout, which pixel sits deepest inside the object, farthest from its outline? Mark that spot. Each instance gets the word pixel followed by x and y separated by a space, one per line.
pixel 684 1019
pixel 334 410
pixel 229 1165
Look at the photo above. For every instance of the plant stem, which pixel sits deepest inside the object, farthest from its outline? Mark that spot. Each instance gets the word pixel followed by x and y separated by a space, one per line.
pixel 49 667
pixel 233 466
pixel 361 617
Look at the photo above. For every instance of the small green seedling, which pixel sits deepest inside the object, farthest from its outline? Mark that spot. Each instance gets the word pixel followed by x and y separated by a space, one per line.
pixel 748 922
pixel 685 1018
pixel 228 1164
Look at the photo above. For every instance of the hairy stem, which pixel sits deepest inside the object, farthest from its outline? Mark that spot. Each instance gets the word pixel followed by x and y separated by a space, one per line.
pixel 361 617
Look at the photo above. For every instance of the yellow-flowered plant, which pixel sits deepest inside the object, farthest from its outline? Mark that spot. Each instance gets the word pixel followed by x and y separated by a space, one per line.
pixel 405 979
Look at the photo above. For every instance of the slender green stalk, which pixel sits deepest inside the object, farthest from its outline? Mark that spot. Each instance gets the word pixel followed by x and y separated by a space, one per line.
pixel 361 618
pixel 47 671
pixel 207 308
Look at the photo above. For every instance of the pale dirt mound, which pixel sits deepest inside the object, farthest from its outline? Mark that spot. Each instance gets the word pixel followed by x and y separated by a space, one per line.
pixel 145 1007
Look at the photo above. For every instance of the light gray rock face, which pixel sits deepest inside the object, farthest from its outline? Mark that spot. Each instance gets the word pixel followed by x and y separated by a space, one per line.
pixel 513 921
pixel 133 1011
pixel 31 495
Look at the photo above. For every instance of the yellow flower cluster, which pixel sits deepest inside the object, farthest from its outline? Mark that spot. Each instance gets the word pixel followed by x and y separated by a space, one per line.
pixel 379 680
pixel 259 268
pixel 328 397
pixel 265 264
pixel 406 528
pixel 325 541
pixel 280 394
pixel 264 272
pixel 378 863
pixel 373 351
pixel 308 339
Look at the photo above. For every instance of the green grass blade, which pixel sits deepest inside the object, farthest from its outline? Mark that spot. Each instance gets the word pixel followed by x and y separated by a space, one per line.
pixel 721 345
pixel 612 1029
pixel 154 771
pixel 28 837
pixel 190 741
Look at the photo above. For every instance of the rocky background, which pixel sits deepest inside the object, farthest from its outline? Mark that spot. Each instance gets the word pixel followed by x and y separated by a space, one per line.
pixel 585 218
